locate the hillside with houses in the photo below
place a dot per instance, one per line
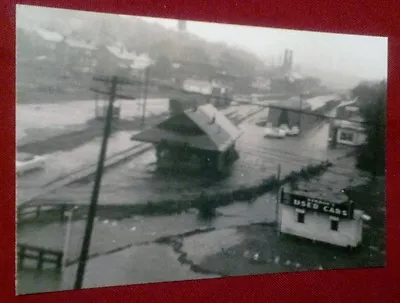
(58, 54)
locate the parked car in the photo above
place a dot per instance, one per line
(26, 162)
(294, 131)
(284, 128)
(274, 132)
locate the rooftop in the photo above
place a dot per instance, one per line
(80, 44)
(293, 103)
(320, 101)
(211, 130)
(49, 35)
(350, 124)
(121, 52)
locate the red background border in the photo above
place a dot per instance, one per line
(370, 17)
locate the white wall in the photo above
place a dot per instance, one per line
(317, 227)
(202, 87)
(358, 137)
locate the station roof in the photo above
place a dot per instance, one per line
(203, 128)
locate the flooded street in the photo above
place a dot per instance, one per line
(117, 245)
(136, 181)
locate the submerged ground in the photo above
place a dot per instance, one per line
(240, 240)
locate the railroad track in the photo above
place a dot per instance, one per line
(85, 172)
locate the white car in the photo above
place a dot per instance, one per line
(27, 162)
(294, 131)
(284, 128)
(273, 132)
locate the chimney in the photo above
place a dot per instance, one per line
(285, 59)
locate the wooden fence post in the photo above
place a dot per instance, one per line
(62, 213)
(59, 264)
(38, 210)
(40, 260)
(21, 256)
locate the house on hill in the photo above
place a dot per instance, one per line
(198, 139)
(114, 60)
(207, 79)
(78, 55)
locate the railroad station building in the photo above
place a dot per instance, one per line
(330, 218)
(197, 139)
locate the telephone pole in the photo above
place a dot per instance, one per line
(112, 93)
(146, 85)
(301, 113)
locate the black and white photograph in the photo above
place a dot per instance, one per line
(157, 150)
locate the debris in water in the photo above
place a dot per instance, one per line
(288, 262)
(298, 265)
(320, 267)
(114, 223)
(246, 254)
(277, 258)
(133, 228)
(153, 233)
(105, 221)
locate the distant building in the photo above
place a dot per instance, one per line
(348, 127)
(287, 112)
(45, 44)
(331, 219)
(206, 79)
(77, 55)
(261, 84)
(287, 61)
(198, 139)
(114, 60)
(182, 25)
(197, 85)
(141, 63)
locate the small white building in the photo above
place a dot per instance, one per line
(198, 86)
(349, 133)
(333, 222)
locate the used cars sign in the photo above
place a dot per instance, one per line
(344, 210)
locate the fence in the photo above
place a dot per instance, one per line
(40, 255)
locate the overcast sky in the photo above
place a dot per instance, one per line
(361, 56)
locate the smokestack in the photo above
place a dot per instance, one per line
(285, 59)
(290, 60)
(182, 25)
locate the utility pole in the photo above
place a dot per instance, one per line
(146, 84)
(301, 113)
(278, 178)
(99, 173)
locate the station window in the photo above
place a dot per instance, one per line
(334, 225)
(346, 136)
(300, 217)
